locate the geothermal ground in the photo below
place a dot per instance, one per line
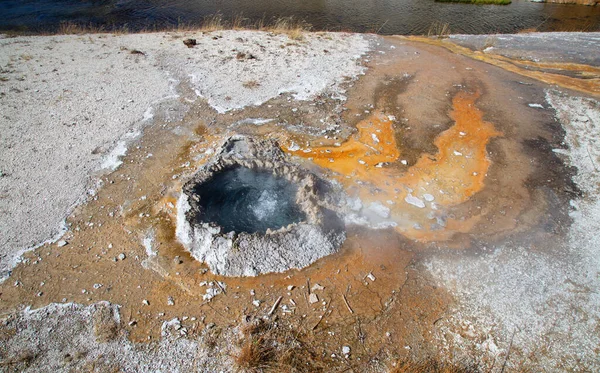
(462, 174)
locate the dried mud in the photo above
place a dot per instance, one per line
(455, 134)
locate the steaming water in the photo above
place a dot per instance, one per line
(244, 200)
(383, 16)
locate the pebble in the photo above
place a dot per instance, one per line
(412, 200)
(428, 197)
(371, 277)
(346, 350)
(316, 287)
(145, 301)
(122, 256)
(62, 243)
(312, 298)
(170, 301)
(256, 303)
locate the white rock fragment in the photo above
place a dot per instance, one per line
(412, 200)
(404, 162)
(61, 243)
(312, 298)
(145, 301)
(316, 287)
(457, 153)
(122, 256)
(375, 139)
(371, 277)
(537, 106)
(256, 303)
(346, 350)
(290, 287)
(293, 147)
(428, 197)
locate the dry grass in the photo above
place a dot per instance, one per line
(269, 347)
(293, 28)
(72, 28)
(290, 26)
(213, 23)
(251, 84)
(480, 2)
(431, 366)
(527, 30)
(439, 29)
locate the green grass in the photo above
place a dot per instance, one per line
(482, 2)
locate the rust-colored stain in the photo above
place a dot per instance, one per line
(417, 198)
(588, 79)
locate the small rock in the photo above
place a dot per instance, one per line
(145, 301)
(371, 277)
(346, 350)
(312, 298)
(62, 243)
(412, 200)
(170, 301)
(256, 303)
(428, 197)
(316, 287)
(290, 287)
(122, 256)
(190, 43)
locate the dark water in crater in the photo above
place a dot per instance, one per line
(244, 200)
(384, 16)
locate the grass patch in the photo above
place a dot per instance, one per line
(290, 26)
(269, 347)
(251, 84)
(480, 2)
(439, 29)
(431, 366)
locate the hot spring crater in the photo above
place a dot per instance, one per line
(251, 211)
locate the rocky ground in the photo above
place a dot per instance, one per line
(465, 170)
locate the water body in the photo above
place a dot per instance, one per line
(383, 16)
(245, 200)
